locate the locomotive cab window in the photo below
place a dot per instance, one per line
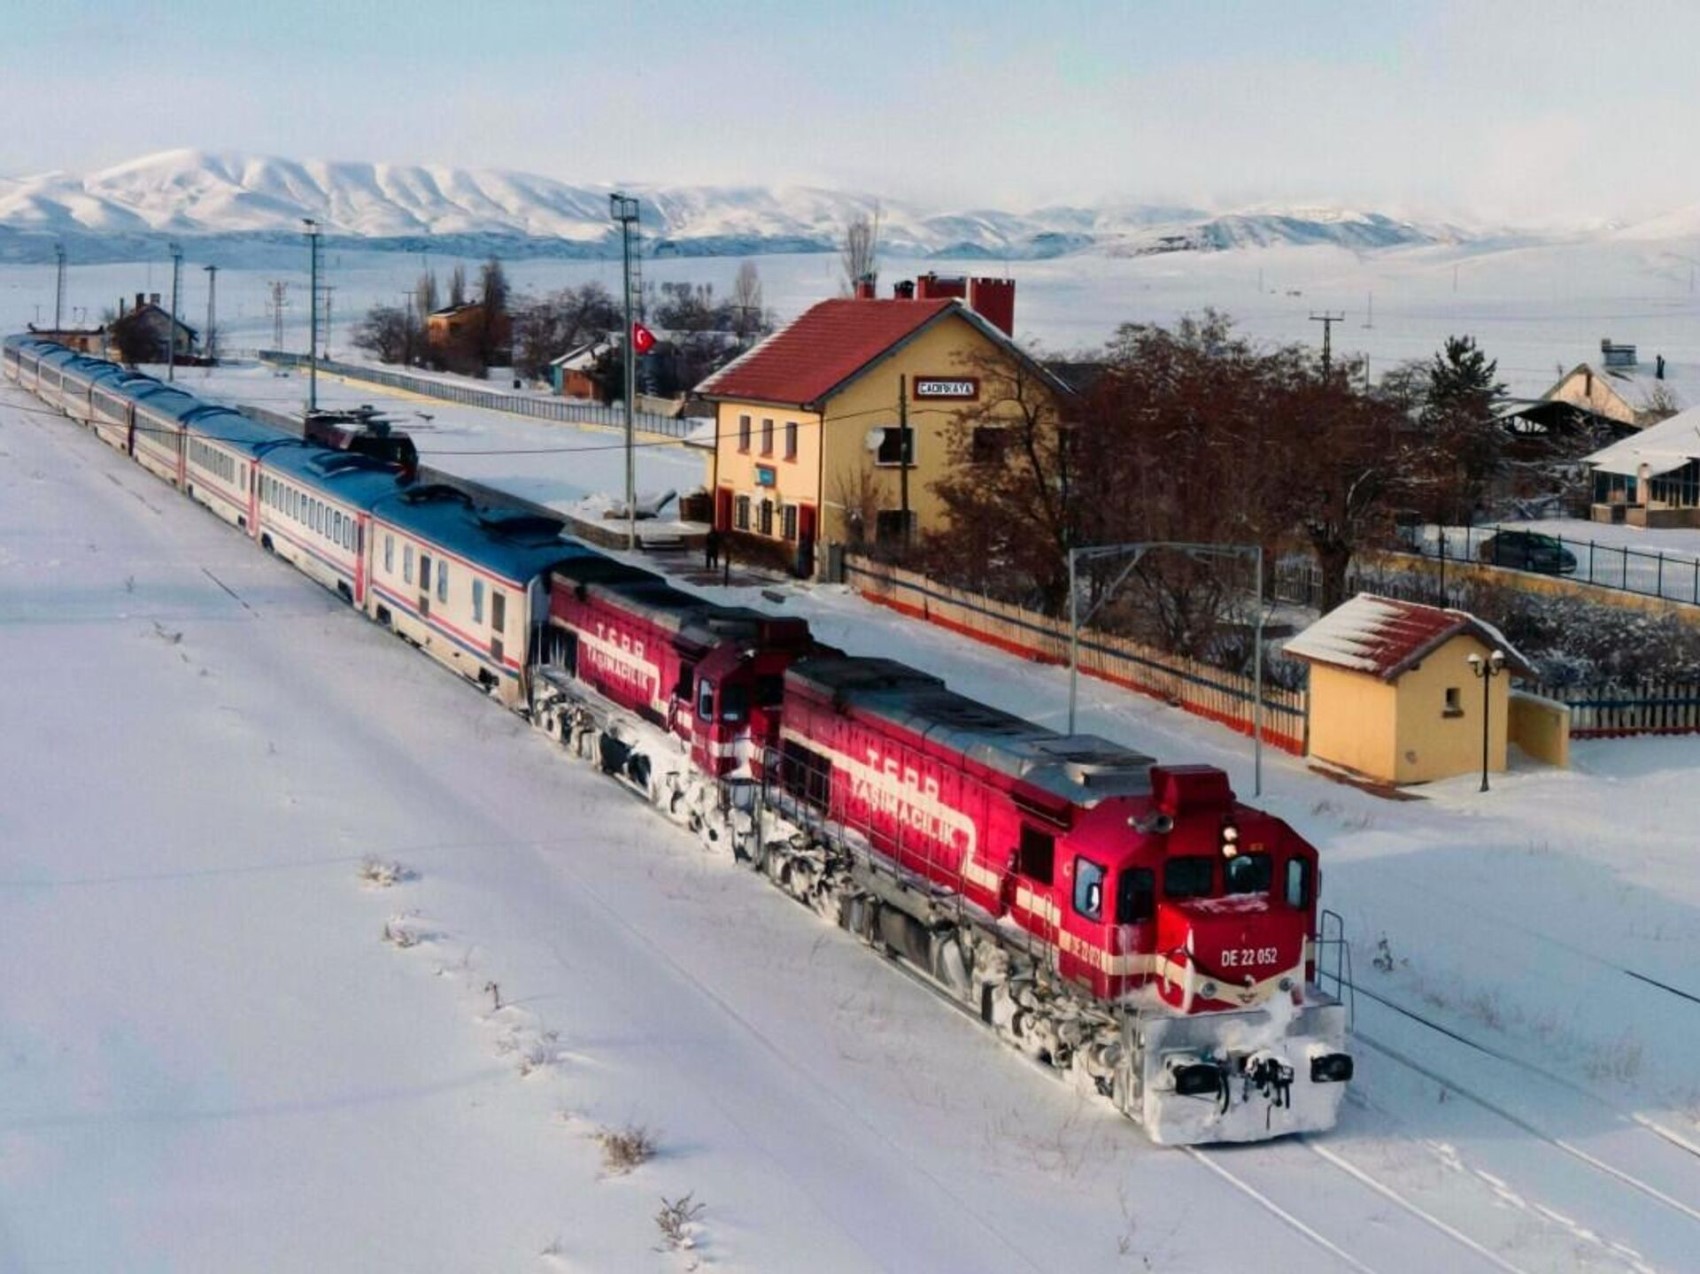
(1136, 895)
(1088, 889)
(1298, 883)
(734, 702)
(770, 691)
(705, 700)
(1037, 856)
(1192, 876)
(1248, 874)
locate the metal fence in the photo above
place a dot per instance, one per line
(1664, 573)
(556, 409)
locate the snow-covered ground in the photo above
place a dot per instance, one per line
(215, 1060)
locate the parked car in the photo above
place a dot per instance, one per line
(1527, 551)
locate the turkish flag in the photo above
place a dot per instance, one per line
(643, 340)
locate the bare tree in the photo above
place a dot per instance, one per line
(1660, 402)
(457, 286)
(748, 315)
(860, 254)
(387, 332)
(426, 294)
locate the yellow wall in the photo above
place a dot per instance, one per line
(1541, 727)
(868, 402)
(1352, 720)
(1435, 745)
(795, 481)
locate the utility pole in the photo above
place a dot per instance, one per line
(212, 312)
(625, 211)
(903, 455)
(1328, 320)
(1369, 315)
(280, 292)
(171, 328)
(59, 285)
(313, 313)
(328, 325)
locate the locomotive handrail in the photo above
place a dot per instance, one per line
(1345, 982)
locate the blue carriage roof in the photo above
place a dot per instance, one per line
(222, 424)
(1083, 769)
(340, 475)
(507, 542)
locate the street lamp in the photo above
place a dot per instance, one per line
(1486, 669)
(625, 210)
(1196, 551)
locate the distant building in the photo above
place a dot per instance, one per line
(572, 372)
(455, 334)
(85, 340)
(1616, 355)
(156, 326)
(1583, 397)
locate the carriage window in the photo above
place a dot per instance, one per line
(407, 562)
(478, 601)
(1036, 859)
(1298, 883)
(442, 581)
(734, 703)
(1088, 889)
(424, 572)
(498, 609)
(389, 555)
(1136, 891)
(1190, 877)
(705, 700)
(1249, 874)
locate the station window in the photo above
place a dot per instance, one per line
(743, 433)
(1037, 856)
(1192, 876)
(788, 521)
(897, 446)
(790, 439)
(741, 513)
(1136, 896)
(1088, 889)
(766, 525)
(767, 435)
(1248, 874)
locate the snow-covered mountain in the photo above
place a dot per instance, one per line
(185, 193)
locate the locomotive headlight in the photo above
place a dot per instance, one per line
(1286, 984)
(1230, 840)
(1208, 990)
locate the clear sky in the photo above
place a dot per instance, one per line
(1537, 112)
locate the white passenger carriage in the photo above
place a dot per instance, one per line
(157, 440)
(469, 586)
(112, 408)
(221, 463)
(314, 511)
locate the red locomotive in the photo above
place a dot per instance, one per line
(1128, 923)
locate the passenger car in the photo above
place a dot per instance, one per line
(1527, 551)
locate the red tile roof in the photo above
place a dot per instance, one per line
(1384, 637)
(826, 346)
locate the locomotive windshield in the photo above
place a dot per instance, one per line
(1192, 876)
(1249, 874)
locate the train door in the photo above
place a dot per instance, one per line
(424, 585)
(1033, 882)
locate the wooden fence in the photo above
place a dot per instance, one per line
(1609, 712)
(1184, 683)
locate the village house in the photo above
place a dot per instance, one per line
(154, 322)
(834, 429)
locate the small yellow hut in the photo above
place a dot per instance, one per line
(1398, 690)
